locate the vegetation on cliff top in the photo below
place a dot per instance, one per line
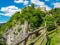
(35, 17)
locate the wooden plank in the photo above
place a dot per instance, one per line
(37, 38)
(30, 33)
(42, 41)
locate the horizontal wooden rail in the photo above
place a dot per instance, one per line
(30, 33)
(37, 39)
(42, 40)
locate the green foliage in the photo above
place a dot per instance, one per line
(55, 11)
(35, 18)
(32, 5)
(11, 23)
(51, 27)
(1, 24)
(56, 14)
(48, 18)
(2, 43)
(30, 14)
(49, 21)
(19, 29)
(57, 18)
(15, 33)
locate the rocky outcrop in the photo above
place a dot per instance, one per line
(16, 34)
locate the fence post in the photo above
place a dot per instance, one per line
(46, 32)
(56, 26)
(25, 31)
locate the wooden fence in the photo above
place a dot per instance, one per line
(37, 38)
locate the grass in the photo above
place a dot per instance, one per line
(38, 41)
(54, 38)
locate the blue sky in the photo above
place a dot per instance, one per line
(9, 7)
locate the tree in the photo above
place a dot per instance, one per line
(33, 16)
(56, 14)
(49, 20)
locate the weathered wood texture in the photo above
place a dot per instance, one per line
(30, 33)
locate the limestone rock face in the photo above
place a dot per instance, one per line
(13, 36)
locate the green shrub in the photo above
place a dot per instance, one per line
(51, 27)
(49, 21)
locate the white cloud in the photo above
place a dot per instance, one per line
(47, 8)
(41, 4)
(57, 5)
(25, 2)
(37, 2)
(18, 1)
(10, 10)
(34, 1)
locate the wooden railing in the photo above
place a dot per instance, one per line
(37, 38)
